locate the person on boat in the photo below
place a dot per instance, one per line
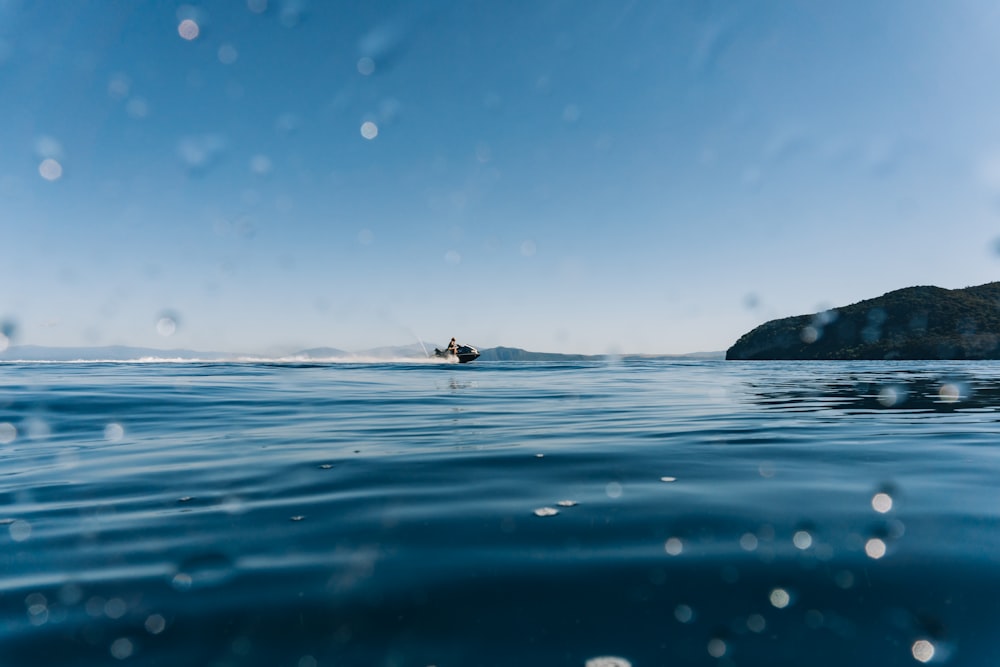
(453, 347)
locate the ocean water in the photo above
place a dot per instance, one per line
(629, 512)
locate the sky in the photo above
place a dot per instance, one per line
(265, 176)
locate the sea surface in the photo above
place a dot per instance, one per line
(624, 512)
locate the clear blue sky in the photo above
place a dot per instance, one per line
(592, 177)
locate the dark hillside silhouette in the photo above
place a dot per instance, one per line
(910, 323)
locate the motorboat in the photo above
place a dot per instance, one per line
(464, 354)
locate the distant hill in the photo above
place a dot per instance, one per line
(910, 323)
(127, 353)
(517, 354)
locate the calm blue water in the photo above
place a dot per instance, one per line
(643, 512)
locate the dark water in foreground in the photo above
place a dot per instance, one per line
(647, 512)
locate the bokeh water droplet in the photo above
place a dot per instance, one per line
(683, 613)
(166, 325)
(8, 433)
(922, 650)
(607, 661)
(780, 598)
(155, 624)
(882, 502)
(716, 647)
(122, 648)
(228, 54)
(875, 548)
(188, 29)
(20, 530)
(949, 393)
(673, 546)
(366, 66)
(369, 130)
(115, 608)
(260, 165)
(113, 432)
(50, 169)
(613, 490)
(137, 108)
(802, 540)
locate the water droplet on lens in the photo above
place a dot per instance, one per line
(188, 29)
(369, 130)
(155, 624)
(613, 490)
(50, 169)
(802, 540)
(166, 326)
(683, 613)
(756, 623)
(607, 661)
(673, 546)
(366, 66)
(115, 608)
(716, 648)
(888, 396)
(260, 165)
(923, 650)
(949, 393)
(780, 598)
(113, 432)
(749, 542)
(546, 511)
(37, 428)
(19, 530)
(875, 548)
(8, 433)
(882, 502)
(122, 648)
(228, 54)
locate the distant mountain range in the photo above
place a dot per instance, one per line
(910, 323)
(128, 353)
